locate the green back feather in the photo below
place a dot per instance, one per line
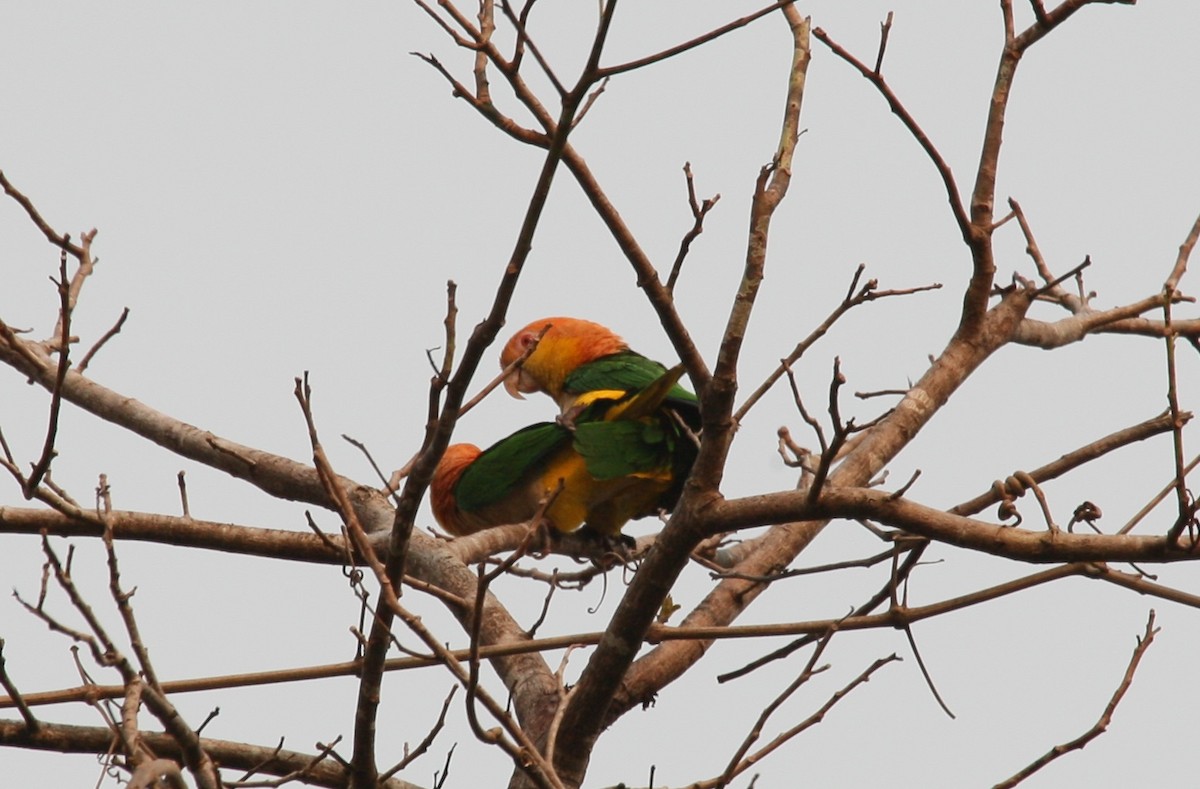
(627, 371)
(625, 447)
(495, 473)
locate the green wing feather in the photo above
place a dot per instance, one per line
(635, 435)
(495, 473)
(623, 448)
(627, 371)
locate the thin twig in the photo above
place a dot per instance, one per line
(64, 321)
(885, 28)
(1143, 643)
(699, 211)
(1186, 515)
(898, 108)
(810, 669)
(183, 497)
(108, 335)
(10, 687)
(693, 43)
(855, 296)
(423, 746)
(1156, 499)
(61, 241)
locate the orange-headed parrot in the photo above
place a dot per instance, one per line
(616, 462)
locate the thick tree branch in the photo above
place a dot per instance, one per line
(312, 769)
(997, 539)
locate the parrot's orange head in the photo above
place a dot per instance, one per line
(562, 345)
(441, 489)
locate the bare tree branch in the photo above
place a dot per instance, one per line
(67, 738)
(1101, 725)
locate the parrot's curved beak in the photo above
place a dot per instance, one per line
(512, 384)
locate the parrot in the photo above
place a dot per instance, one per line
(614, 463)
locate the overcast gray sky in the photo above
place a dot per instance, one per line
(282, 187)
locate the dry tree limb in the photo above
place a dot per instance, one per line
(67, 738)
(487, 26)
(976, 224)
(738, 762)
(1186, 517)
(325, 751)
(152, 773)
(318, 548)
(564, 695)
(61, 241)
(1072, 303)
(485, 579)
(841, 431)
(501, 121)
(966, 351)
(1073, 460)
(1143, 643)
(808, 418)
(866, 561)
(504, 372)
(996, 539)
(1142, 585)
(854, 297)
(86, 265)
(130, 706)
(1156, 499)
(1124, 319)
(659, 634)
(699, 211)
(1181, 261)
(898, 108)
(883, 595)
(912, 643)
(104, 338)
(473, 39)
(121, 598)
(592, 97)
(423, 746)
(42, 465)
(885, 31)
(183, 496)
(10, 687)
(275, 475)
(711, 35)
(812, 720)
(520, 23)
(1187, 508)
(175, 530)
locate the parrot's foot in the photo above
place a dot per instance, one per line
(613, 549)
(603, 550)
